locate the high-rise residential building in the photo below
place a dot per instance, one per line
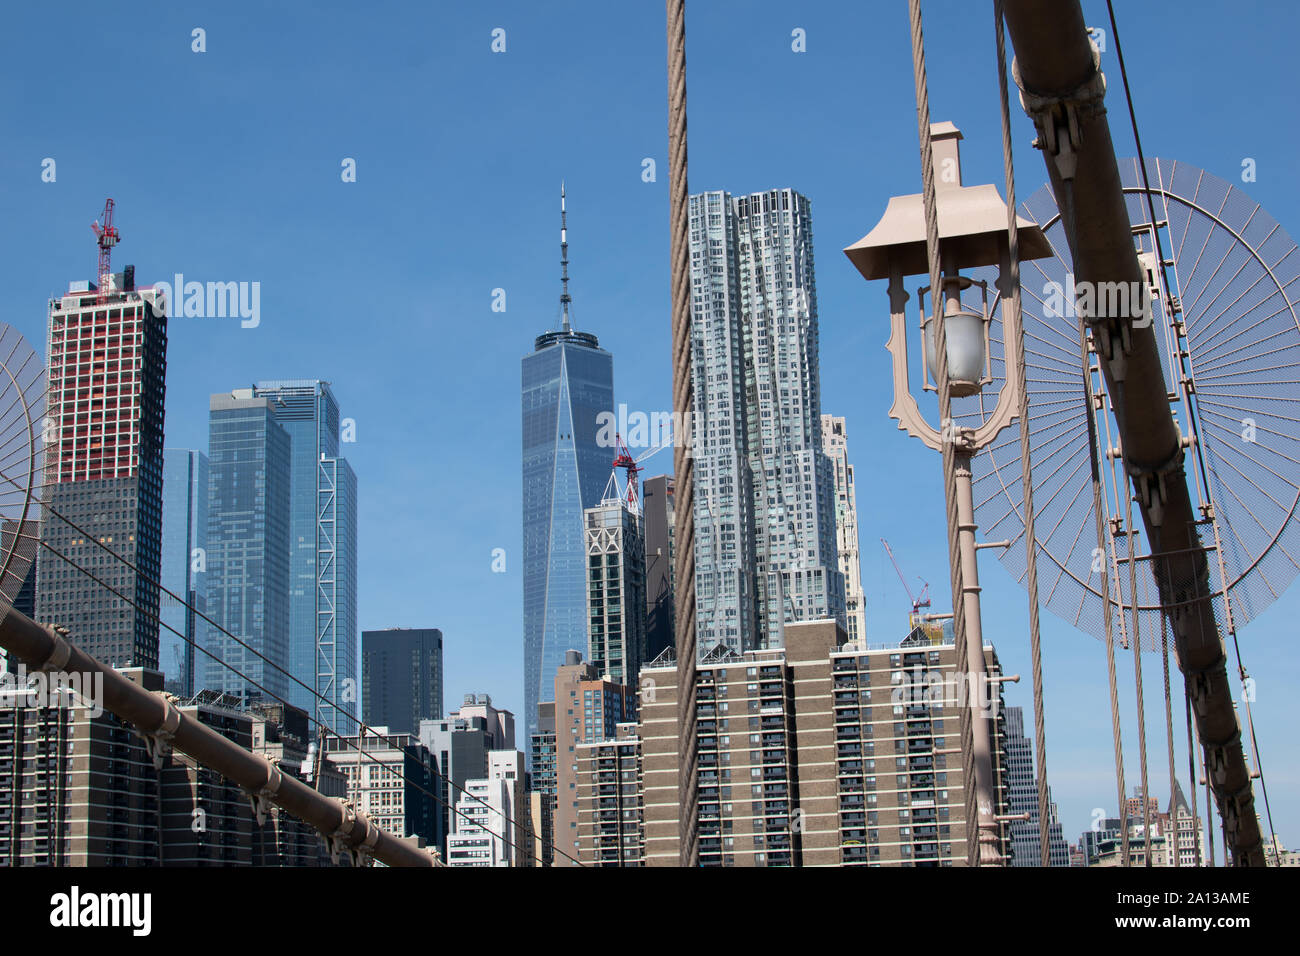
(491, 826)
(588, 707)
(765, 546)
(104, 467)
(611, 823)
(1022, 791)
(248, 546)
(98, 799)
(616, 601)
(284, 735)
(657, 500)
(835, 443)
(820, 753)
(184, 567)
(206, 818)
(401, 677)
(322, 551)
(566, 383)
(87, 792)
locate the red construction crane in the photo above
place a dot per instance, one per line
(107, 237)
(623, 459)
(918, 600)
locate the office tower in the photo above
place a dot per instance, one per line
(491, 826)
(248, 546)
(765, 546)
(497, 724)
(657, 505)
(184, 566)
(588, 707)
(390, 778)
(1022, 792)
(401, 677)
(459, 746)
(104, 467)
(322, 551)
(542, 783)
(835, 443)
(566, 382)
(616, 601)
(820, 753)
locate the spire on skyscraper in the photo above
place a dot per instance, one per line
(564, 261)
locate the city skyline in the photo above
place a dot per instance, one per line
(408, 458)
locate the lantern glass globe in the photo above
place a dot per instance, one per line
(966, 351)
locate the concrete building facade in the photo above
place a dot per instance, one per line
(823, 753)
(835, 443)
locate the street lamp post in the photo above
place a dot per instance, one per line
(972, 233)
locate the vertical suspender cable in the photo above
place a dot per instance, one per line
(683, 401)
(1026, 473)
(945, 415)
(1169, 737)
(1137, 665)
(1105, 581)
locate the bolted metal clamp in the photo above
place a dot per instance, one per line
(59, 653)
(158, 744)
(337, 842)
(261, 799)
(1055, 115)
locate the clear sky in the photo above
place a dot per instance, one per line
(226, 166)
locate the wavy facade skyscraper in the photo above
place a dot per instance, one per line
(765, 547)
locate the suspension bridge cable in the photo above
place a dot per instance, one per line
(90, 538)
(1026, 472)
(683, 460)
(947, 425)
(271, 694)
(1192, 411)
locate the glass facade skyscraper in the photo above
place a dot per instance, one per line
(184, 566)
(322, 550)
(567, 381)
(765, 547)
(401, 677)
(248, 544)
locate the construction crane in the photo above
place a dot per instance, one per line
(918, 600)
(107, 237)
(623, 459)
(632, 466)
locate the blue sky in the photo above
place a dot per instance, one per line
(226, 166)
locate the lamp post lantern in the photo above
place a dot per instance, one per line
(972, 234)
